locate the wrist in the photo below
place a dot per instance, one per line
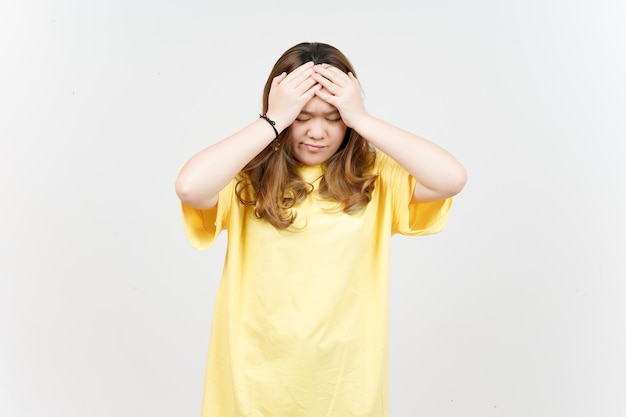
(360, 122)
(279, 123)
(271, 123)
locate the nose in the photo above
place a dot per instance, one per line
(316, 129)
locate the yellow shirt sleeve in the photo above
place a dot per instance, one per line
(202, 226)
(410, 219)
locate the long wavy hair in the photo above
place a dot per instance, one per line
(270, 182)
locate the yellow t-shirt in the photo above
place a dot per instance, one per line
(300, 327)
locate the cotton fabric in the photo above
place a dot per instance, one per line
(300, 326)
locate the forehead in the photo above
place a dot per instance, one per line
(318, 106)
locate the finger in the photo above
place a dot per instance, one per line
(353, 79)
(301, 67)
(279, 78)
(331, 73)
(308, 95)
(325, 95)
(306, 85)
(301, 72)
(325, 82)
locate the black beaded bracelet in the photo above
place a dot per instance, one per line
(271, 122)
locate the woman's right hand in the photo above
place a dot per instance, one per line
(289, 93)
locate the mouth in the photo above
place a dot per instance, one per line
(312, 148)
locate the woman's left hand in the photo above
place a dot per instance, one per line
(342, 91)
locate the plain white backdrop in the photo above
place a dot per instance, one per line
(516, 309)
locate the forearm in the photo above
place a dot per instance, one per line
(438, 173)
(210, 170)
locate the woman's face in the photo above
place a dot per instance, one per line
(317, 132)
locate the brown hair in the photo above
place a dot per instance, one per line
(270, 181)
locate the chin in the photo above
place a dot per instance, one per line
(308, 160)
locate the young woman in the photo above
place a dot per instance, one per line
(310, 194)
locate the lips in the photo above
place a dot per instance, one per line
(312, 148)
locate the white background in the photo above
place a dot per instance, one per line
(516, 309)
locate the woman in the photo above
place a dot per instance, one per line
(310, 194)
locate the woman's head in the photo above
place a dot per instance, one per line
(318, 132)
